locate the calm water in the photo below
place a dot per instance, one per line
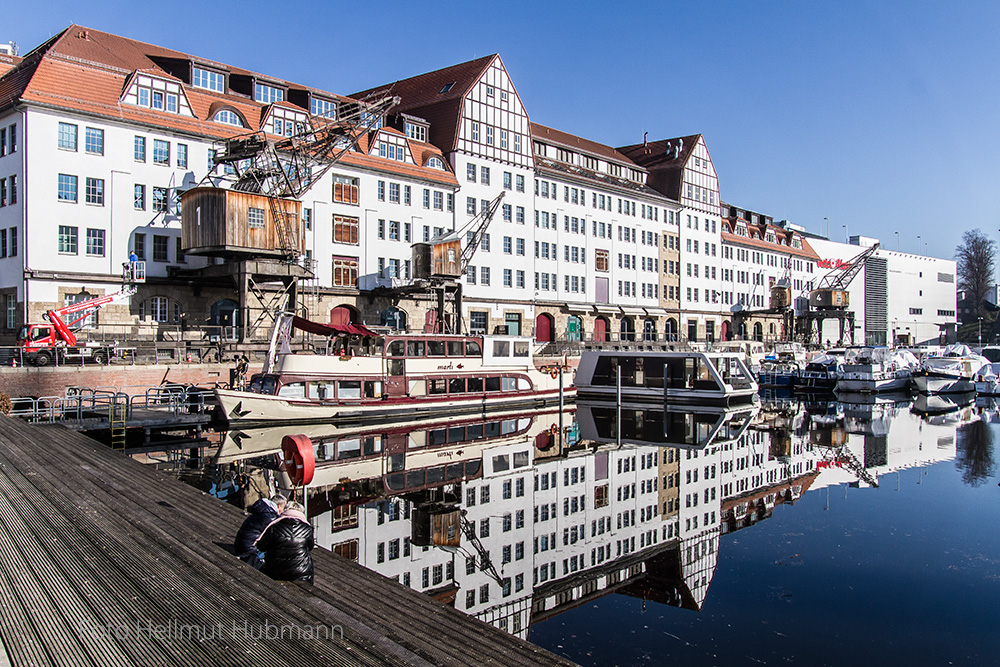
(685, 536)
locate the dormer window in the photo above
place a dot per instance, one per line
(770, 237)
(204, 78)
(416, 131)
(321, 107)
(615, 169)
(155, 93)
(796, 242)
(267, 94)
(228, 117)
(566, 156)
(435, 163)
(447, 87)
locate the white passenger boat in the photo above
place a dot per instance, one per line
(952, 372)
(875, 369)
(692, 377)
(363, 377)
(988, 380)
(686, 427)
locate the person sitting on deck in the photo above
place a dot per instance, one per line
(286, 544)
(262, 514)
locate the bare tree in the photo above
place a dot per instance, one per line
(976, 257)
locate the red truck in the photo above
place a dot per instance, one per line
(42, 344)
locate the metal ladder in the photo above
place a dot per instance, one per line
(117, 415)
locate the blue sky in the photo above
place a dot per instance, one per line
(876, 115)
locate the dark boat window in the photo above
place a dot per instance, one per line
(437, 387)
(373, 388)
(520, 459)
(414, 348)
(395, 481)
(454, 470)
(435, 475)
(521, 348)
(456, 386)
(263, 384)
(456, 434)
(491, 429)
(349, 449)
(472, 468)
(492, 384)
(397, 348)
(456, 348)
(349, 389)
(475, 385)
(474, 432)
(473, 349)
(438, 436)
(373, 445)
(414, 478)
(435, 348)
(397, 462)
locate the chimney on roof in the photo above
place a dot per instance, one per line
(680, 147)
(83, 34)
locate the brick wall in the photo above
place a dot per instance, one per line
(133, 380)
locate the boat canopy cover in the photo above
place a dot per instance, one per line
(989, 371)
(958, 350)
(330, 329)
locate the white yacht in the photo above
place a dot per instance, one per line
(952, 372)
(876, 369)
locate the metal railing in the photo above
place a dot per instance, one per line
(81, 404)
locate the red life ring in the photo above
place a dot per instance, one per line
(298, 458)
(554, 373)
(553, 429)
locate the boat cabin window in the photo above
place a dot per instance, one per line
(437, 387)
(521, 348)
(293, 390)
(456, 386)
(509, 384)
(492, 384)
(349, 389)
(322, 390)
(473, 349)
(435, 348)
(397, 348)
(373, 388)
(474, 385)
(263, 384)
(520, 459)
(414, 348)
(501, 462)
(501, 348)
(349, 449)
(456, 348)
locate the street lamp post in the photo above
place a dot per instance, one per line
(847, 234)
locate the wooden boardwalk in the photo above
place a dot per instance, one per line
(104, 562)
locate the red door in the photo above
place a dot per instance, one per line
(340, 315)
(543, 328)
(600, 330)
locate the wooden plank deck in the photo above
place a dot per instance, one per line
(104, 561)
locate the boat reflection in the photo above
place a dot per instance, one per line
(516, 518)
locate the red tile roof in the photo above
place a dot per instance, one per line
(86, 71)
(422, 96)
(664, 162)
(782, 235)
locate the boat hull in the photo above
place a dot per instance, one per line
(250, 410)
(940, 383)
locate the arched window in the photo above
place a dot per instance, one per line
(671, 330)
(228, 117)
(435, 163)
(574, 328)
(394, 317)
(627, 329)
(758, 332)
(544, 326)
(649, 329)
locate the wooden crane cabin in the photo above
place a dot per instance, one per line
(438, 259)
(222, 222)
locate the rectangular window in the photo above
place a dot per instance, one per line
(13, 191)
(160, 248)
(94, 141)
(139, 151)
(345, 230)
(179, 250)
(159, 199)
(13, 241)
(161, 152)
(94, 191)
(267, 94)
(345, 271)
(519, 180)
(470, 172)
(67, 239)
(256, 218)
(95, 242)
(520, 279)
(345, 189)
(508, 278)
(484, 175)
(67, 188)
(203, 78)
(182, 156)
(437, 201)
(394, 193)
(67, 138)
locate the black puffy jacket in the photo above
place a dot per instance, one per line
(286, 545)
(261, 514)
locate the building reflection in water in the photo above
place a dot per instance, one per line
(516, 518)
